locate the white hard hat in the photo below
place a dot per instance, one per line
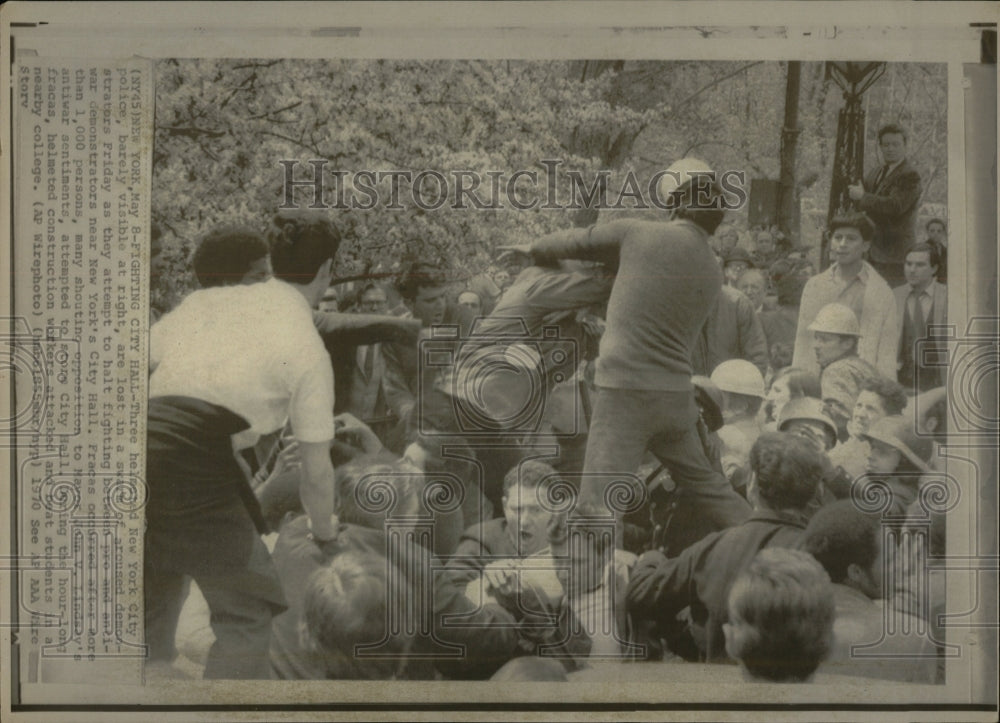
(836, 319)
(679, 173)
(738, 376)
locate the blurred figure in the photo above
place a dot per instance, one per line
(735, 264)
(780, 617)
(789, 277)
(725, 239)
(753, 283)
(937, 236)
(471, 301)
(329, 301)
(732, 331)
(788, 384)
(742, 389)
(849, 544)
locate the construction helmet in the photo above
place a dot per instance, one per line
(811, 409)
(739, 376)
(680, 174)
(897, 432)
(836, 319)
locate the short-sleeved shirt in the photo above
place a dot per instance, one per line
(251, 349)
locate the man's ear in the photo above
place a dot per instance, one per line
(856, 575)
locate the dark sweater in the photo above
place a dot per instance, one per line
(667, 281)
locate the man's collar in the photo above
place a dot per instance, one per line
(861, 276)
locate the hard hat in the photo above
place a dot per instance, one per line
(738, 254)
(739, 376)
(708, 396)
(807, 408)
(836, 319)
(897, 432)
(680, 173)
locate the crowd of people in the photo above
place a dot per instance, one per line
(639, 441)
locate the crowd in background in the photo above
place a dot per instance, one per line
(771, 423)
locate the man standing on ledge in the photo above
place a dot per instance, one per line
(230, 364)
(889, 195)
(667, 282)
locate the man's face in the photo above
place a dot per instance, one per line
(847, 247)
(753, 285)
(765, 242)
(831, 347)
(868, 409)
(728, 239)
(429, 305)
(777, 396)
(260, 270)
(373, 301)
(502, 279)
(936, 232)
(882, 459)
(735, 270)
(526, 519)
(470, 300)
(893, 147)
(918, 270)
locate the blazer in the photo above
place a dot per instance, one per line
(892, 206)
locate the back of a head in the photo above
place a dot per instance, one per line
(368, 489)
(301, 241)
(801, 382)
(691, 190)
(840, 534)
(781, 614)
(225, 255)
(787, 470)
(891, 392)
(529, 474)
(346, 606)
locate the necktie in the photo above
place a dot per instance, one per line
(882, 175)
(917, 312)
(369, 361)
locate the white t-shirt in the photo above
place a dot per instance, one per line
(251, 349)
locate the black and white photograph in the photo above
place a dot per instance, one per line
(492, 364)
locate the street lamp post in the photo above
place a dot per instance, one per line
(849, 156)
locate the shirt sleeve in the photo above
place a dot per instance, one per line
(311, 407)
(597, 243)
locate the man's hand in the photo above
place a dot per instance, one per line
(347, 425)
(513, 250)
(856, 191)
(501, 579)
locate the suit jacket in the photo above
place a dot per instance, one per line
(892, 206)
(366, 400)
(732, 331)
(939, 311)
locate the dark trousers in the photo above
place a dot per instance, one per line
(625, 424)
(199, 525)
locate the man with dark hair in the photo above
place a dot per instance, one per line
(852, 282)
(937, 236)
(230, 364)
(877, 397)
(921, 302)
(780, 617)
(424, 290)
(848, 543)
(890, 195)
(786, 472)
(231, 255)
(667, 282)
(735, 264)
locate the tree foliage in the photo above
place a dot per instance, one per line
(222, 126)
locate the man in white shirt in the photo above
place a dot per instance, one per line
(230, 364)
(852, 282)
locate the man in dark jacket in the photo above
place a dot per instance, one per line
(890, 195)
(786, 473)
